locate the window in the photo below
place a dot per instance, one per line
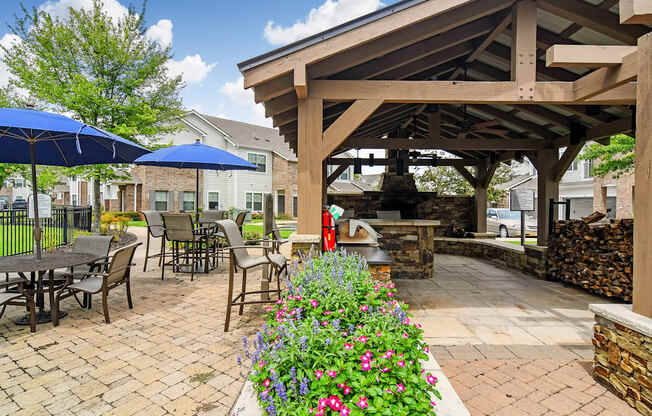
(254, 201)
(588, 168)
(161, 201)
(213, 201)
(258, 160)
(17, 183)
(295, 206)
(344, 176)
(573, 166)
(74, 200)
(280, 202)
(188, 201)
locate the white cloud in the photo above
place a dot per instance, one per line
(239, 104)
(193, 69)
(60, 8)
(8, 40)
(161, 33)
(329, 14)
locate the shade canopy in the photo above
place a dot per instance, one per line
(195, 156)
(59, 140)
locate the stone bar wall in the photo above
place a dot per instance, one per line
(411, 248)
(414, 205)
(623, 359)
(528, 259)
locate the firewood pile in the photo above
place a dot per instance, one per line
(596, 257)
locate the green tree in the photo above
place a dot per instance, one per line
(445, 180)
(47, 177)
(616, 158)
(8, 170)
(104, 72)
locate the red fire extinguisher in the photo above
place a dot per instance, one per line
(328, 231)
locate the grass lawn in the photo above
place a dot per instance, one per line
(255, 228)
(137, 224)
(15, 240)
(528, 241)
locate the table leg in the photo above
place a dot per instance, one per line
(51, 293)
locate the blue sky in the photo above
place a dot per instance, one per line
(209, 38)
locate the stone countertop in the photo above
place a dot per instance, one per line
(403, 223)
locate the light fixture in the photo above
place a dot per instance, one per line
(372, 161)
(357, 164)
(400, 166)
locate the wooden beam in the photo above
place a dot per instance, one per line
(280, 104)
(423, 26)
(300, 82)
(310, 177)
(274, 88)
(338, 161)
(417, 51)
(593, 18)
(524, 49)
(397, 24)
(569, 156)
(564, 93)
(643, 179)
(587, 56)
(336, 174)
(605, 79)
(533, 128)
(635, 12)
(346, 124)
(489, 144)
(467, 175)
(597, 133)
(434, 125)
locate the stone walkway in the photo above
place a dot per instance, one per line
(167, 356)
(510, 345)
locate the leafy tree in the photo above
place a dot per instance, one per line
(47, 177)
(616, 158)
(102, 71)
(8, 170)
(445, 180)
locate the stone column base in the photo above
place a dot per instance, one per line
(304, 243)
(381, 272)
(623, 354)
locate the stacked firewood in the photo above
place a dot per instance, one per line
(596, 257)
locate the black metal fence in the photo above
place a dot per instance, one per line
(16, 229)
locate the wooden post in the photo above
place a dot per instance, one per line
(548, 189)
(642, 297)
(268, 224)
(481, 196)
(311, 113)
(524, 48)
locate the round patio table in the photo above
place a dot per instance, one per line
(37, 268)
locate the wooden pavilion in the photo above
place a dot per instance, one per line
(488, 81)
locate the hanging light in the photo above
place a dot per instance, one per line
(400, 166)
(372, 161)
(357, 164)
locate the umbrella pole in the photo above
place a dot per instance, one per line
(37, 223)
(197, 197)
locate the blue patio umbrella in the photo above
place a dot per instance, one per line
(42, 138)
(195, 156)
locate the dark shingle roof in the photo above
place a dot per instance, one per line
(255, 137)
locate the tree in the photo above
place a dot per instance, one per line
(616, 158)
(104, 72)
(8, 170)
(47, 178)
(446, 180)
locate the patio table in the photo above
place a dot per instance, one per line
(37, 268)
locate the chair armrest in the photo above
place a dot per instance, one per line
(252, 246)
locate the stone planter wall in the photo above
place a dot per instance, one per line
(531, 260)
(623, 355)
(411, 248)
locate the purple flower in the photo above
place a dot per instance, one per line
(303, 386)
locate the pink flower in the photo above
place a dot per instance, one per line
(405, 335)
(322, 403)
(298, 297)
(261, 364)
(331, 373)
(345, 411)
(390, 294)
(328, 312)
(385, 370)
(346, 390)
(431, 379)
(419, 326)
(340, 310)
(389, 353)
(433, 404)
(363, 339)
(389, 391)
(314, 303)
(426, 349)
(335, 403)
(368, 354)
(400, 388)
(362, 402)
(401, 363)
(364, 308)
(267, 382)
(348, 347)
(376, 288)
(365, 366)
(325, 323)
(319, 374)
(379, 333)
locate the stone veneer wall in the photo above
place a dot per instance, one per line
(411, 248)
(429, 206)
(531, 260)
(623, 361)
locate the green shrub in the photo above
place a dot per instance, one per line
(133, 216)
(339, 343)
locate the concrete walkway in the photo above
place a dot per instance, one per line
(510, 344)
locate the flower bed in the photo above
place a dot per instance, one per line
(338, 343)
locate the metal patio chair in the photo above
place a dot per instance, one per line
(118, 273)
(190, 245)
(239, 256)
(19, 295)
(276, 236)
(99, 245)
(240, 219)
(154, 230)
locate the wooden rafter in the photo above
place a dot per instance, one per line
(587, 56)
(569, 156)
(467, 175)
(412, 162)
(635, 12)
(346, 124)
(605, 79)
